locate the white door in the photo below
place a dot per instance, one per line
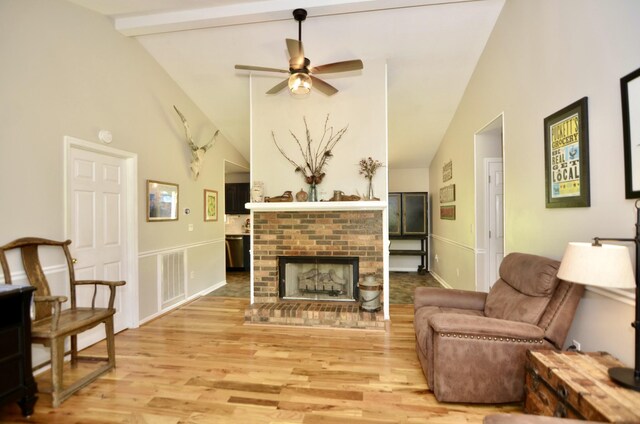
(97, 201)
(495, 216)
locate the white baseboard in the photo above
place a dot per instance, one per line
(440, 280)
(403, 269)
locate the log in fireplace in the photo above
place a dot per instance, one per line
(318, 278)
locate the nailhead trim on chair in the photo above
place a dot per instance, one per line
(497, 339)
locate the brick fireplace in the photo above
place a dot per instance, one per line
(326, 231)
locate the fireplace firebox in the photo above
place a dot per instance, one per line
(318, 278)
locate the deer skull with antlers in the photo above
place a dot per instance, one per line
(197, 153)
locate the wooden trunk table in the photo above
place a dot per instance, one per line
(576, 385)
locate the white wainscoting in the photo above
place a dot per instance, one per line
(203, 272)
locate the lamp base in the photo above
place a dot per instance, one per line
(625, 377)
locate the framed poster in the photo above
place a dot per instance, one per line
(210, 205)
(630, 90)
(566, 157)
(162, 201)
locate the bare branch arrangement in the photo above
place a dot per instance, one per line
(313, 159)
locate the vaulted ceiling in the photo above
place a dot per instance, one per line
(431, 48)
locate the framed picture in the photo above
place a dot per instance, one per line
(447, 171)
(448, 194)
(566, 157)
(162, 201)
(630, 89)
(448, 212)
(210, 205)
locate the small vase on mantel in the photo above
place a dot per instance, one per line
(370, 195)
(313, 193)
(302, 196)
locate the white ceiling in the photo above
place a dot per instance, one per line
(431, 48)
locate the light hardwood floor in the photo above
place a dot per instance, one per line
(201, 364)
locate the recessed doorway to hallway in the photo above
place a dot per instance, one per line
(489, 177)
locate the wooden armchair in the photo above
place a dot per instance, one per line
(53, 324)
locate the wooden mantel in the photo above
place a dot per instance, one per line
(363, 205)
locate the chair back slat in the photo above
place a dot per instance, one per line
(36, 277)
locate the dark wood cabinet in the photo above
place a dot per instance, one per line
(408, 220)
(408, 214)
(16, 383)
(235, 197)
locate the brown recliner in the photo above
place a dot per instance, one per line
(472, 345)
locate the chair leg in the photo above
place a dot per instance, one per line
(111, 345)
(57, 363)
(74, 350)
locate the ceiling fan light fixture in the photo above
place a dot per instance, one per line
(300, 83)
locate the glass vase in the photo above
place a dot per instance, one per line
(313, 193)
(370, 195)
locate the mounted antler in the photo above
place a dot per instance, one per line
(197, 153)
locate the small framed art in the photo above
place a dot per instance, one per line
(162, 201)
(210, 205)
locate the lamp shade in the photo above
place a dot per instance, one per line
(300, 83)
(605, 265)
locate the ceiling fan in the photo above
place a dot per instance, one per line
(301, 75)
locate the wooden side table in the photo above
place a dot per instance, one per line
(576, 385)
(16, 381)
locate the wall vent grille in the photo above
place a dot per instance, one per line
(172, 276)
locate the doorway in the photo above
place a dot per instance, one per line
(489, 203)
(237, 225)
(100, 219)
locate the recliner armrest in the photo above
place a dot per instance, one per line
(468, 325)
(449, 298)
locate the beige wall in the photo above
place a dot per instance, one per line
(66, 71)
(360, 104)
(542, 56)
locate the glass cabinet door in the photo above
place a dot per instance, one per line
(394, 214)
(414, 214)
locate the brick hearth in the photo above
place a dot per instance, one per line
(313, 233)
(315, 314)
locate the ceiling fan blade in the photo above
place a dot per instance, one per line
(322, 86)
(278, 87)
(347, 65)
(260, 68)
(296, 53)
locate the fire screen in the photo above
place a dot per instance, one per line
(318, 278)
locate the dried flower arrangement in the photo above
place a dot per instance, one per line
(368, 167)
(313, 160)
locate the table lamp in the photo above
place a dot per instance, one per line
(609, 266)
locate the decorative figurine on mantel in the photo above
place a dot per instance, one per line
(339, 196)
(314, 159)
(368, 168)
(284, 197)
